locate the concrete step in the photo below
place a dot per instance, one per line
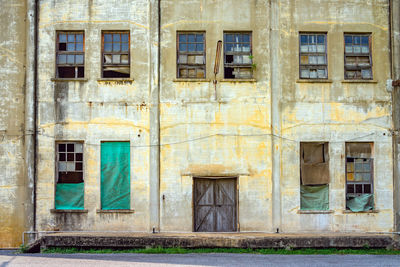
(122, 240)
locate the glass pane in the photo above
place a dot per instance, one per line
(304, 48)
(303, 39)
(116, 59)
(191, 47)
(366, 177)
(246, 47)
(107, 59)
(348, 39)
(237, 59)
(320, 48)
(313, 74)
(304, 74)
(70, 46)
(312, 60)
(116, 37)
(321, 39)
(358, 167)
(312, 39)
(125, 37)
(62, 38)
(349, 49)
(191, 38)
(365, 49)
(116, 47)
(199, 47)
(304, 60)
(79, 59)
(199, 38)
(246, 38)
(125, 47)
(246, 59)
(350, 167)
(182, 59)
(79, 47)
(237, 38)
(228, 47)
(182, 38)
(312, 48)
(357, 40)
(350, 176)
(70, 166)
(62, 166)
(229, 38)
(79, 148)
(192, 73)
(366, 74)
(321, 74)
(79, 38)
(321, 59)
(71, 37)
(107, 38)
(366, 167)
(183, 47)
(183, 73)
(200, 73)
(358, 177)
(108, 47)
(62, 59)
(70, 59)
(357, 49)
(237, 48)
(124, 59)
(191, 59)
(199, 60)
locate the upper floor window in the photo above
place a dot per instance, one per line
(357, 57)
(116, 55)
(70, 55)
(191, 54)
(313, 57)
(237, 56)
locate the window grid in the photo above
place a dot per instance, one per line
(191, 55)
(116, 55)
(70, 57)
(238, 61)
(358, 176)
(313, 56)
(69, 162)
(357, 57)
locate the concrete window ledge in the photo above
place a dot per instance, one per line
(115, 80)
(359, 81)
(69, 79)
(315, 211)
(357, 212)
(115, 211)
(68, 211)
(313, 81)
(178, 80)
(238, 80)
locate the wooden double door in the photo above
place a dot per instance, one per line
(215, 205)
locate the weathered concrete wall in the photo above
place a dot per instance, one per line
(94, 110)
(335, 111)
(12, 77)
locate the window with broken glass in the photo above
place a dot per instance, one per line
(313, 57)
(116, 55)
(357, 57)
(359, 176)
(237, 56)
(70, 162)
(191, 55)
(70, 55)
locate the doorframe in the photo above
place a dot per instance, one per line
(236, 200)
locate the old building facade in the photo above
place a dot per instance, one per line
(143, 121)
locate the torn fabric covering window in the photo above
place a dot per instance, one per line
(314, 197)
(69, 196)
(115, 175)
(359, 176)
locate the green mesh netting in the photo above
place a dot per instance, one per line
(314, 197)
(115, 175)
(361, 203)
(69, 196)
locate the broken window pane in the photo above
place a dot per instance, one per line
(357, 57)
(116, 45)
(70, 52)
(237, 59)
(191, 55)
(312, 53)
(67, 162)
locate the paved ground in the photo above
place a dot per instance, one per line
(8, 258)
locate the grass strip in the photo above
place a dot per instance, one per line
(178, 250)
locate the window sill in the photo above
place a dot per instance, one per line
(191, 80)
(315, 211)
(313, 81)
(69, 79)
(239, 80)
(115, 211)
(367, 211)
(115, 79)
(359, 81)
(68, 211)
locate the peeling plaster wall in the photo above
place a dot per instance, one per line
(93, 110)
(12, 66)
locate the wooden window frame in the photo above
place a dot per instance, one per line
(314, 66)
(112, 53)
(357, 68)
(59, 52)
(361, 183)
(190, 66)
(75, 161)
(238, 53)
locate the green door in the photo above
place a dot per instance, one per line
(115, 175)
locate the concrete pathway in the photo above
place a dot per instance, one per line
(8, 258)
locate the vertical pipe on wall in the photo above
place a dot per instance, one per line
(275, 113)
(154, 79)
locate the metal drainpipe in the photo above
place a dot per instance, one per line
(35, 86)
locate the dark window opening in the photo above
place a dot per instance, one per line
(238, 60)
(116, 55)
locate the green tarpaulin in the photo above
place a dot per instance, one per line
(361, 203)
(314, 197)
(115, 175)
(69, 196)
